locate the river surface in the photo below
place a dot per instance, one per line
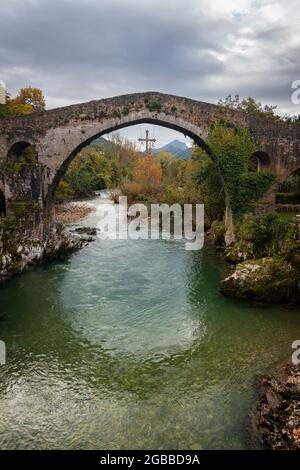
(129, 344)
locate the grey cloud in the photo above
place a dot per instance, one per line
(84, 49)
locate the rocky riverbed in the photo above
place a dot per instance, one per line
(275, 422)
(72, 211)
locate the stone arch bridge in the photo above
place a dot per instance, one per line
(58, 135)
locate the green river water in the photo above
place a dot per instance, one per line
(129, 344)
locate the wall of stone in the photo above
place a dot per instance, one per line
(59, 134)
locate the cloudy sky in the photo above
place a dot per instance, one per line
(79, 50)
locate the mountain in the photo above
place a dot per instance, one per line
(101, 142)
(176, 147)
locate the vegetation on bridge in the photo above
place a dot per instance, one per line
(233, 149)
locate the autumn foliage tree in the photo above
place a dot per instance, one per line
(27, 101)
(33, 97)
(148, 172)
(147, 180)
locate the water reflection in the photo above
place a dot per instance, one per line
(131, 345)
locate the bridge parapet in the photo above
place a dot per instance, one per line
(58, 135)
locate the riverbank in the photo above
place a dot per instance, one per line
(105, 322)
(74, 211)
(18, 252)
(265, 258)
(275, 422)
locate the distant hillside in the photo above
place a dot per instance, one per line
(176, 148)
(101, 142)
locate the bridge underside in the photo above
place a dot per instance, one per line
(58, 135)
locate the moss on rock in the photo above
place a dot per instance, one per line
(18, 252)
(239, 252)
(267, 279)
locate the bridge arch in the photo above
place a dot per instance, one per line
(59, 134)
(288, 184)
(181, 126)
(259, 161)
(16, 150)
(20, 150)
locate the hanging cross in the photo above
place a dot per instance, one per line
(147, 140)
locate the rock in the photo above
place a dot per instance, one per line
(20, 252)
(275, 421)
(86, 230)
(61, 242)
(267, 279)
(86, 234)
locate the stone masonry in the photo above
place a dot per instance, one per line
(58, 135)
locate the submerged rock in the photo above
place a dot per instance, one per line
(86, 233)
(267, 279)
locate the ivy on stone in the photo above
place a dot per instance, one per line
(233, 148)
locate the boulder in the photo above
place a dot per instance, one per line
(267, 279)
(86, 234)
(20, 252)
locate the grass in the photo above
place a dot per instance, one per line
(287, 216)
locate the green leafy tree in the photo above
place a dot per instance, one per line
(233, 149)
(250, 106)
(91, 170)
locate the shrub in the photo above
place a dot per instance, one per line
(22, 209)
(218, 231)
(233, 149)
(154, 106)
(133, 191)
(268, 234)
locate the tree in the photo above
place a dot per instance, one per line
(33, 97)
(293, 119)
(13, 108)
(148, 172)
(250, 106)
(27, 101)
(209, 184)
(164, 158)
(123, 153)
(91, 170)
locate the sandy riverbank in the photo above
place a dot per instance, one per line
(72, 211)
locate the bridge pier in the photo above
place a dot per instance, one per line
(56, 137)
(24, 194)
(267, 203)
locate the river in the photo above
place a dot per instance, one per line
(129, 344)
